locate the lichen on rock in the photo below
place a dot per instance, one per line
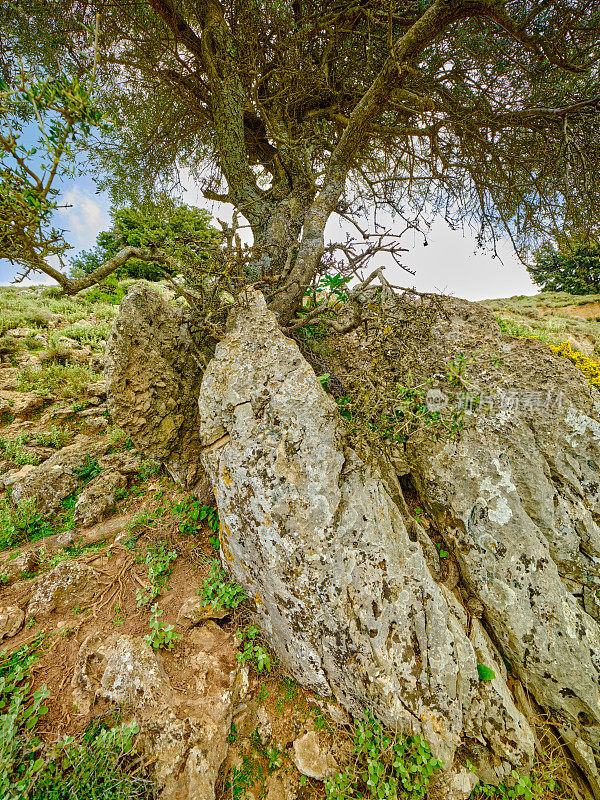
(312, 533)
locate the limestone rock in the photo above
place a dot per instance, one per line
(97, 389)
(8, 378)
(312, 533)
(11, 621)
(313, 758)
(153, 381)
(16, 475)
(50, 482)
(23, 404)
(66, 586)
(96, 424)
(185, 733)
(516, 495)
(14, 564)
(127, 463)
(98, 497)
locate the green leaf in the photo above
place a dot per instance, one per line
(485, 673)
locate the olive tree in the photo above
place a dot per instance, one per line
(295, 111)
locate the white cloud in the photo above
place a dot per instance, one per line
(84, 218)
(452, 263)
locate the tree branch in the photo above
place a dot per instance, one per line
(71, 286)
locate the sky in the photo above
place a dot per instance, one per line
(450, 263)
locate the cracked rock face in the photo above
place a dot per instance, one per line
(153, 379)
(312, 533)
(516, 498)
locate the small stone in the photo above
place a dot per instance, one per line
(14, 476)
(313, 758)
(16, 564)
(194, 611)
(50, 482)
(65, 539)
(11, 621)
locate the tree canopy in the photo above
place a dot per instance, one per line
(485, 111)
(572, 266)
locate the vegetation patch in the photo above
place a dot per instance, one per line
(63, 380)
(385, 765)
(219, 592)
(21, 522)
(158, 561)
(161, 635)
(95, 765)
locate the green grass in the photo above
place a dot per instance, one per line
(21, 308)
(15, 450)
(519, 317)
(64, 380)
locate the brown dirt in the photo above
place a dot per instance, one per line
(585, 311)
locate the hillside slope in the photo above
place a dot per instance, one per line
(121, 629)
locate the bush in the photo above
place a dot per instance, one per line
(14, 450)
(221, 593)
(590, 368)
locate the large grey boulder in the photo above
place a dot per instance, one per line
(515, 494)
(343, 593)
(153, 377)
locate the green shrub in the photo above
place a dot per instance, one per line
(524, 787)
(158, 561)
(90, 335)
(220, 592)
(56, 437)
(10, 346)
(253, 652)
(108, 291)
(20, 711)
(88, 470)
(21, 522)
(194, 514)
(14, 450)
(161, 635)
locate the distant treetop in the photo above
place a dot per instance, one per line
(184, 230)
(573, 266)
